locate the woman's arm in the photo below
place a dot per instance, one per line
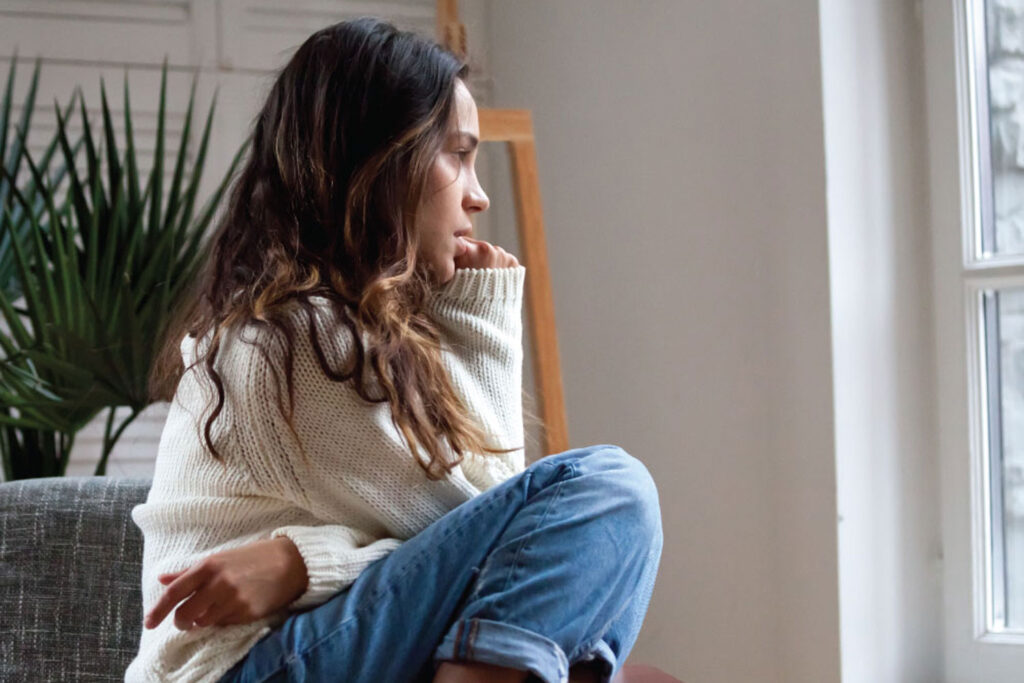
(297, 567)
(479, 312)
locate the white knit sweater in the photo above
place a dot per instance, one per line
(362, 494)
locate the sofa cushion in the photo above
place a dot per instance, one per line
(70, 568)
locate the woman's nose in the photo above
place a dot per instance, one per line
(477, 199)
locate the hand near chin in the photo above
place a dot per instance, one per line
(482, 254)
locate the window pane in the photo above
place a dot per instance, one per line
(1004, 359)
(1000, 99)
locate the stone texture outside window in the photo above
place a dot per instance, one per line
(1005, 39)
(1004, 24)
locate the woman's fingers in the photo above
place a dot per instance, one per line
(483, 254)
(215, 614)
(503, 259)
(167, 578)
(179, 589)
(232, 619)
(475, 256)
(193, 608)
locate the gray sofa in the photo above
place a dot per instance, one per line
(70, 570)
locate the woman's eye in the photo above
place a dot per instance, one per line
(463, 153)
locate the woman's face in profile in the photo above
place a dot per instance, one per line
(453, 192)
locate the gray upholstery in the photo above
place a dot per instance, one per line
(70, 571)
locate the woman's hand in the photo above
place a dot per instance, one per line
(236, 586)
(481, 254)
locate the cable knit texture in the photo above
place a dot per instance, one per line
(357, 495)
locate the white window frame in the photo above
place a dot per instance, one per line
(973, 653)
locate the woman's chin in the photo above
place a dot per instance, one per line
(441, 276)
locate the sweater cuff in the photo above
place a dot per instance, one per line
(491, 294)
(484, 284)
(333, 558)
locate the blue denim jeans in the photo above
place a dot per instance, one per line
(551, 567)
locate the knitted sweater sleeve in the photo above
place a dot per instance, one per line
(334, 555)
(346, 463)
(479, 312)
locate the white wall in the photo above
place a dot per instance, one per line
(680, 150)
(883, 348)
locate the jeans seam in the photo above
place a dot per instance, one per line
(373, 599)
(449, 534)
(547, 511)
(473, 623)
(472, 638)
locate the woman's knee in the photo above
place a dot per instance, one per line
(627, 477)
(614, 472)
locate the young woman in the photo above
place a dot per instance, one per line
(340, 490)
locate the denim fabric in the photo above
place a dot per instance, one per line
(551, 567)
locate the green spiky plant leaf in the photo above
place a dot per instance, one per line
(101, 271)
(28, 449)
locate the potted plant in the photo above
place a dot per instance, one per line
(101, 257)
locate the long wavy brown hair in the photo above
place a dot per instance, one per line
(324, 205)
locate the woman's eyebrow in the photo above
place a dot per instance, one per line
(473, 140)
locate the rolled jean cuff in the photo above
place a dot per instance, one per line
(494, 642)
(602, 651)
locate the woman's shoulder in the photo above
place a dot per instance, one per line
(299, 321)
(242, 341)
